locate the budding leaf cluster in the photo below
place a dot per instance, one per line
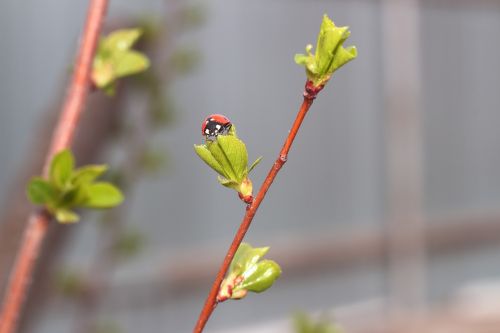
(330, 53)
(248, 272)
(227, 155)
(68, 188)
(115, 59)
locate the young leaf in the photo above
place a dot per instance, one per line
(64, 215)
(73, 197)
(103, 195)
(40, 191)
(245, 257)
(209, 159)
(128, 63)
(87, 174)
(236, 152)
(254, 164)
(260, 276)
(228, 183)
(115, 58)
(330, 53)
(61, 167)
(102, 72)
(221, 158)
(121, 40)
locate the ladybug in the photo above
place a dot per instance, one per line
(214, 125)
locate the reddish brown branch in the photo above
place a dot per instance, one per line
(211, 302)
(62, 138)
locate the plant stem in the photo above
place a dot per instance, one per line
(211, 302)
(36, 230)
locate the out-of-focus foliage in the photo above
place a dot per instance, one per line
(305, 324)
(115, 59)
(68, 188)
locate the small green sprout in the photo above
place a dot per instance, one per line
(248, 273)
(115, 59)
(67, 188)
(227, 155)
(330, 53)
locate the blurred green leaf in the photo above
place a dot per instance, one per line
(64, 215)
(115, 59)
(61, 167)
(121, 40)
(40, 191)
(128, 63)
(305, 324)
(87, 174)
(129, 244)
(103, 73)
(103, 195)
(70, 283)
(185, 60)
(153, 160)
(193, 15)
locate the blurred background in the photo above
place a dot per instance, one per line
(385, 219)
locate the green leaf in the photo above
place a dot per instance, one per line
(75, 196)
(103, 73)
(254, 164)
(260, 276)
(343, 56)
(40, 191)
(232, 154)
(61, 168)
(210, 160)
(64, 215)
(128, 63)
(329, 39)
(114, 59)
(245, 257)
(87, 174)
(103, 195)
(228, 183)
(121, 40)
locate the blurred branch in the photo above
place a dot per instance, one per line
(36, 231)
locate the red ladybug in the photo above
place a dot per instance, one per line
(214, 125)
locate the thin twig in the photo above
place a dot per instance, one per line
(211, 302)
(62, 138)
